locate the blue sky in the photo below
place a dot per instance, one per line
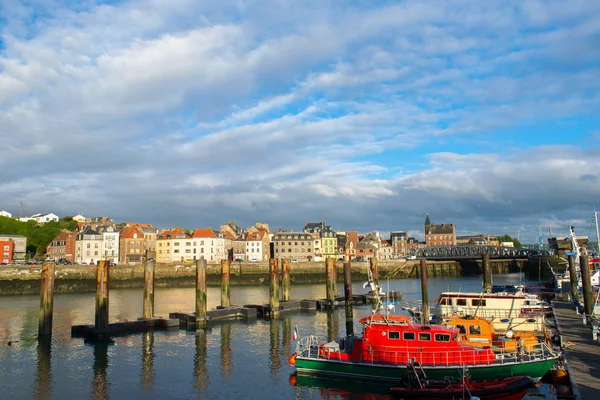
(369, 116)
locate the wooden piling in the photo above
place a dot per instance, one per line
(201, 306)
(102, 280)
(285, 280)
(586, 282)
(487, 273)
(348, 299)
(573, 277)
(330, 282)
(424, 295)
(148, 287)
(274, 286)
(375, 271)
(225, 274)
(46, 300)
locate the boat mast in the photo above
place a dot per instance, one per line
(597, 233)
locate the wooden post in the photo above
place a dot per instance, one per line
(375, 271)
(331, 275)
(46, 299)
(102, 279)
(225, 273)
(487, 273)
(285, 280)
(586, 282)
(348, 298)
(201, 306)
(149, 286)
(274, 286)
(573, 278)
(424, 295)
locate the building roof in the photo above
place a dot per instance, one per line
(204, 233)
(130, 232)
(427, 221)
(174, 234)
(256, 236)
(437, 229)
(314, 227)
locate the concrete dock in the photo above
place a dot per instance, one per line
(582, 353)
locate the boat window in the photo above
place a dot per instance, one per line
(394, 335)
(424, 336)
(442, 337)
(454, 337)
(408, 335)
(444, 301)
(462, 329)
(478, 302)
(461, 302)
(475, 330)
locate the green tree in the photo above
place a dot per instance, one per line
(38, 236)
(507, 238)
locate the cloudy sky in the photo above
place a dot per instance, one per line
(366, 114)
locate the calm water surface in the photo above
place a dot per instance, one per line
(228, 360)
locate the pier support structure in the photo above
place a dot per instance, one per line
(331, 278)
(149, 286)
(285, 279)
(586, 282)
(424, 295)
(274, 287)
(348, 299)
(46, 299)
(225, 275)
(573, 277)
(487, 273)
(201, 306)
(102, 280)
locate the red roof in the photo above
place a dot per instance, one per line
(129, 233)
(204, 233)
(256, 236)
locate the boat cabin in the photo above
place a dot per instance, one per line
(503, 305)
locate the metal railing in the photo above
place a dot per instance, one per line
(313, 348)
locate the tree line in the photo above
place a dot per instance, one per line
(38, 236)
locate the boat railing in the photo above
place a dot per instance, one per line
(313, 347)
(486, 312)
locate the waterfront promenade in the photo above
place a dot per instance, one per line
(581, 352)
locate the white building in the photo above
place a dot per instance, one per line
(88, 246)
(80, 218)
(5, 214)
(257, 246)
(41, 218)
(206, 243)
(110, 243)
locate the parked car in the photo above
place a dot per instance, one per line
(294, 261)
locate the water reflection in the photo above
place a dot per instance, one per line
(274, 353)
(287, 334)
(100, 384)
(330, 388)
(200, 369)
(147, 378)
(226, 356)
(43, 373)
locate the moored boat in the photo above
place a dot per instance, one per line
(415, 385)
(387, 345)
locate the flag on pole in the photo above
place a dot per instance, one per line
(295, 336)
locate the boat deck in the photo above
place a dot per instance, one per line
(581, 352)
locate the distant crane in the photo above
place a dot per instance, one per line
(540, 237)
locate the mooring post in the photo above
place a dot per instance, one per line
(274, 286)
(102, 279)
(348, 298)
(375, 271)
(225, 274)
(330, 284)
(149, 285)
(285, 280)
(573, 277)
(201, 306)
(586, 282)
(487, 273)
(424, 296)
(46, 299)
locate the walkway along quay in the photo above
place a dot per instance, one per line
(24, 279)
(582, 353)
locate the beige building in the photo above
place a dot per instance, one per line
(439, 234)
(171, 246)
(293, 246)
(19, 245)
(132, 246)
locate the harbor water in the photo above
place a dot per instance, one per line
(228, 360)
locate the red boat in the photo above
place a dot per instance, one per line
(416, 386)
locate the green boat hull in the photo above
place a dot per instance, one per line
(535, 369)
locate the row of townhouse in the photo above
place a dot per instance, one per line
(176, 245)
(99, 239)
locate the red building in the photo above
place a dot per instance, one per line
(6, 251)
(62, 247)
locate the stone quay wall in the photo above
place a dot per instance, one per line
(25, 279)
